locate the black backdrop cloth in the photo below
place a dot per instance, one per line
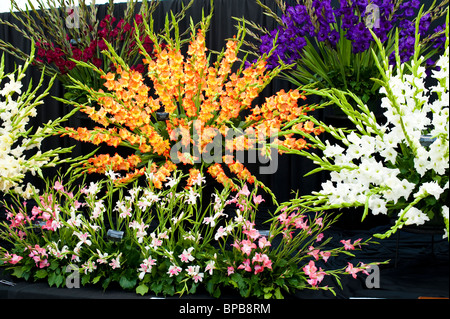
(419, 263)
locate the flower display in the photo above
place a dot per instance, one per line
(69, 32)
(20, 145)
(169, 244)
(167, 205)
(331, 45)
(400, 167)
(204, 107)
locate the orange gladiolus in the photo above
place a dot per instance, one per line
(201, 100)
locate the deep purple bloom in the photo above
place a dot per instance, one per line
(350, 17)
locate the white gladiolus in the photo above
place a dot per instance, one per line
(17, 107)
(389, 165)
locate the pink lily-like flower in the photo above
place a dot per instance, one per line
(247, 247)
(347, 244)
(58, 186)
(325, 255)
(230, 271)
(300, 223)
(115, 262)
(258, 269)
(210, 266)
(174, 270)
(252, 233)
(319, 237)
(186, 256)
(310, 268)
(12, 259)
(267, 263)
(245, 265)
(244, 191)
(352, 270)
(314, 252)
(263, 242)
(83, 237)
(258, 199)
(315, 277)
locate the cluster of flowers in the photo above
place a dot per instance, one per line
(185, 248)
(17, 141)
(392, 168)
(318, 20)
(198, 100)
(60, 57)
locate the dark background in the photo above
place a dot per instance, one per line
(422, 262)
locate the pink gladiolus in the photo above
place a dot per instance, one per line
(352, 270)
(347, 244)
(300, 223)
(282, 218)
(258, 199)
(39, 255)
(319, 221)
(314, 252)
(15, 259)
(315, 277)
(263, 242)
(325, 255)
(319, 237)
(186, 256)
(58, 186)
(252, 233)
(258, 269)
(245, 265)
(236, 245)
(247, 247)
(244, 191)
(310, 268)
(174, 270)
(12, 259)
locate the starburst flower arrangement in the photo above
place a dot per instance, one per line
(399, 168)
(191, 114)
(20, 144)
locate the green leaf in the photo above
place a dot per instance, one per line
(157, 287)
(127, 283)
(85, 279)
(18, 272)
(142, 289)
(42, 273)
(278, 294)
(51, 278)
(106, 282)
(54, 265)
(55, 279)
(96, 279)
